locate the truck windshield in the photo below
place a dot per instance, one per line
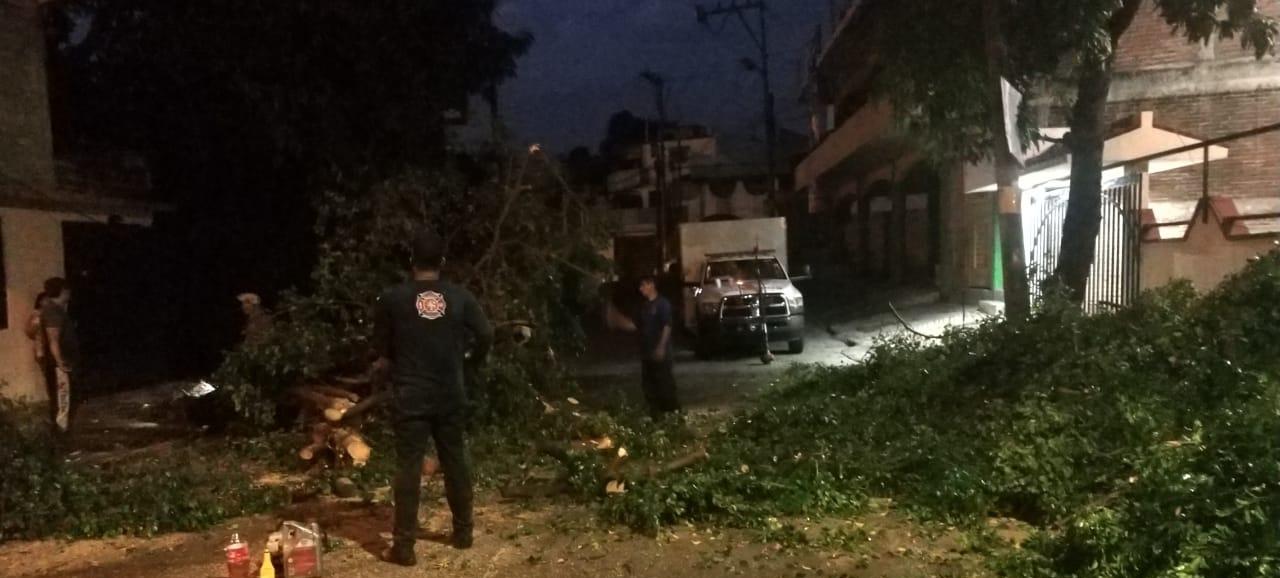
(746, 269)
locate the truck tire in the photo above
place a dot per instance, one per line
(796, 346)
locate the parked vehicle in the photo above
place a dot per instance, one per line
(737, 289)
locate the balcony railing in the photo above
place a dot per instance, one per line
(625, 180)
(825, 35)
(628, 218)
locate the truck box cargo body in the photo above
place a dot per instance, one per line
(738, 288)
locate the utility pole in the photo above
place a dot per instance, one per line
(761, 41)
(495, 112)
(660, 152)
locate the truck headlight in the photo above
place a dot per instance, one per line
(796, 303)
(709, 308)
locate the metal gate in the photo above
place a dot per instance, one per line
(1114, 278)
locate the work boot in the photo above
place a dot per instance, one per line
(400, 554)
(461, 539)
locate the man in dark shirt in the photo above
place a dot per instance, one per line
(654, 325)
(421, 330)
(63, 349)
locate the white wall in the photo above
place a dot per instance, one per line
(1205, 258)
(697, 240)
(33, 252)
(740, 203)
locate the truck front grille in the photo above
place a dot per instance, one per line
(744, 306)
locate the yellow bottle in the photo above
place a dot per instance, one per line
(267, 571)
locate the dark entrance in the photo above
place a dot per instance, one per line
(635, 256)
(121, 301)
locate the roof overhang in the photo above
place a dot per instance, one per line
(1130, 140)
(83, 204)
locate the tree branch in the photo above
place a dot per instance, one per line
(514, 192)
(1121, 20)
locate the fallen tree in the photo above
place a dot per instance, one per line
(609, 468)
(532, 271)
(1140, 442)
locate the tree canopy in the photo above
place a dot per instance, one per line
(330, 85)
(245, 109)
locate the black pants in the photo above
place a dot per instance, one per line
(412, 436)
(659, 385)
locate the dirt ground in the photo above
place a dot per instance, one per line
(535, 540)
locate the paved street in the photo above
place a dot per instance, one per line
(842, 326)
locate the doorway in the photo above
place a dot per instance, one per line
(121, 303)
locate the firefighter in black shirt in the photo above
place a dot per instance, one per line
(421, 331)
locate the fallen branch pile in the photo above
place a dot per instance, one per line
(618, 470)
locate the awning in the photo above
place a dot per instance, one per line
(1134, 138)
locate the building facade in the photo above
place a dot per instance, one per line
(876, 201)
(41, 197)
(892, 218)
(709, 177)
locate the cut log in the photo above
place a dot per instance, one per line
(332, 391)
(365, 405)
(319, 440)
(358, 381)
(320, 401)
(351, 443)
(314, 399)
(333, 407)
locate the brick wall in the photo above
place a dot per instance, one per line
(1151, 43)
(1252, 168)
(26, 141)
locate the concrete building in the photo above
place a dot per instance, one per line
(40, 196)
(876, 201)
(894, 219)
(710, 177)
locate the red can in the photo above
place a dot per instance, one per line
(303, 557)
(302, 561)
(237, 558)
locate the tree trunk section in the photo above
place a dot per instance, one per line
(1087, 141)
(1017, 297)
(1084, 205)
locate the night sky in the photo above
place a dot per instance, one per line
(587, 56)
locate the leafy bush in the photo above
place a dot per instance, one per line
(1142, 442)
(521, 241)
(41, 494)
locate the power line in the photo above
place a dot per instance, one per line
(761, 40)
(660, 96)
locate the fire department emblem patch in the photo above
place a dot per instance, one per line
(431, 305)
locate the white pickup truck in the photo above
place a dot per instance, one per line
(737, 286)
